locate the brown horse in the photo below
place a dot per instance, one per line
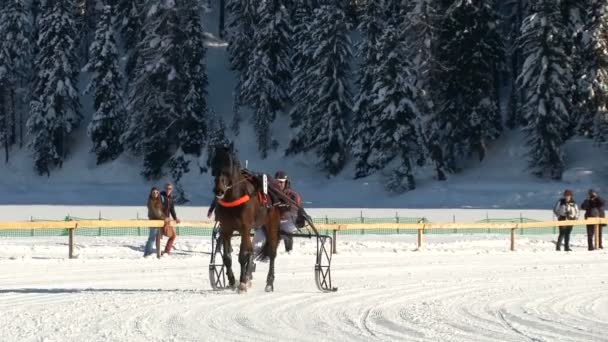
(239, 208)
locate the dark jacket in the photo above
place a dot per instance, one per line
(594, 207)
(168, 206)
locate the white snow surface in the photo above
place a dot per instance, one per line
(457, 288)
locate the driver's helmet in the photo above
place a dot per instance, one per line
(280, 176)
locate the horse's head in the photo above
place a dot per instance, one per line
(225, 167)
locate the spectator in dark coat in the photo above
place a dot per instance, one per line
(565, 209)
(155, 212)
(594, 207)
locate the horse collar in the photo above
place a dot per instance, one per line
(235, 203)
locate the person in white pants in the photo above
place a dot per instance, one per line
(289, 214)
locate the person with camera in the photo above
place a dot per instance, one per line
(594, 207)
(565, 209)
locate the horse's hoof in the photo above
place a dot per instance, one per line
(269, 288)
(243, 288)
(249, 284)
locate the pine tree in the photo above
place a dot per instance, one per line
(217, 136)
(421, 29)
(325, 131)
(596, 86)
(517, 11)
(573, 14)
(55, 107)
(86, 21)
(242, 16)
(395, 114)
(179, 165)
(545, 81)
(132, 14)
(108, 121)
(470, 53)
(192, 123)
(15, 65)
(155, 98)
(266, 84)
(371, 29)
(302, 60)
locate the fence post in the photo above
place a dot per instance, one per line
(362, 221)
(334, 245)
(32, 220)
(521, 220)
(71, 241)
(397, 220)
(158, 237)
(420, 237)
(512, 239)
(597, 236)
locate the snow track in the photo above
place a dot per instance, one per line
(459, 288)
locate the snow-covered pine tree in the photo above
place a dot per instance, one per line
(421, 29)
(330, 72)
(179, 165)
(371, 27)
(217, 134)
(15, 66)
(395, 114)
(86, 22)
(55, 106)
(596, 57)
(155, 98)
(192, 123)
(302, 59)
(242, 16)
(545, 82)
(109, 118)
(266, 85)
(574, 13)
(131, 16)
(517, 10)
(470, 53)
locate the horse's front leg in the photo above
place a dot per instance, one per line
(246, 260)
(227, 259)
(272, 246)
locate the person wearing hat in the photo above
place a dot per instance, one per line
(289, 214)
(594, 207)
(565, 209)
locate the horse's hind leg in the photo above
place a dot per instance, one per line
(246, 261)
(227, 259)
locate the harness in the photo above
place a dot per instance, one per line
(235, 203)
(239, 201)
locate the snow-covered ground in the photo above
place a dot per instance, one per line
(458, 288)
